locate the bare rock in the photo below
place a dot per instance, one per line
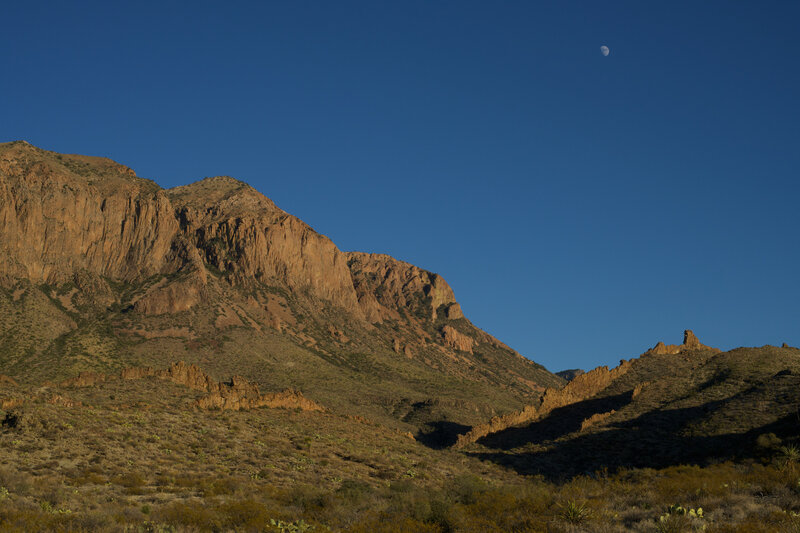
(245, 235)
(637, 390)
(63, 401)
(84, 379)
(396, 345)
(338, 334)
(457, 340)
(690, 340)
(387, 287)
(453, 311)
(690, 343)
(10, 403)
(595, 419)
(189, 376)
(241, 394)
(64, 213)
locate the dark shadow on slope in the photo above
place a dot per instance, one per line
(441, 434)
(717, 379)
(650, 441)
(557, 423)
(787, 427)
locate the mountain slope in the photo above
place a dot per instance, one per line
(100, 269)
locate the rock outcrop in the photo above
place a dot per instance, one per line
(595, 419)
(240, 395)
(84, 379)
(457, 340)
(690, 342)
(581, 388)
(237, 394)
(63, 214)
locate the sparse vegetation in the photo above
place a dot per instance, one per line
(159, 466)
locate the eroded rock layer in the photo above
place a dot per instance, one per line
(236, 395)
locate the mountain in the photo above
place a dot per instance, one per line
(101, 270)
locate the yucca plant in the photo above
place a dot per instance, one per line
(574, 512)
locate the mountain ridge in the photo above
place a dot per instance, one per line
(101, 269)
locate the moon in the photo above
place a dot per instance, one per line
(605, 50)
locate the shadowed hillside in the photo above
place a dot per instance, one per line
(689, 403)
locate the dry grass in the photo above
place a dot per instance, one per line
(134, 457)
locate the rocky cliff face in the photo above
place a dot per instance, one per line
(66, 214)
(62, 214)
(240, 232)
(387, 288)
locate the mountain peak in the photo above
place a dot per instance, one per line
(222, 195)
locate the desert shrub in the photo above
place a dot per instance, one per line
(309, 500)
(245, 515)
(130, 480)
(14, 481)
(492, 503)
(88, 478)
(354, 490)
(223, 486)
(768, 442)
(788, 457)
(679, 519)
(192, 515)
(297, 526)
(402, 485)
(381, 524)
(413, 503)
(467, 488)
(574, 512)
(442, 514)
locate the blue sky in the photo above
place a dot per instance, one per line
(582, 207)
